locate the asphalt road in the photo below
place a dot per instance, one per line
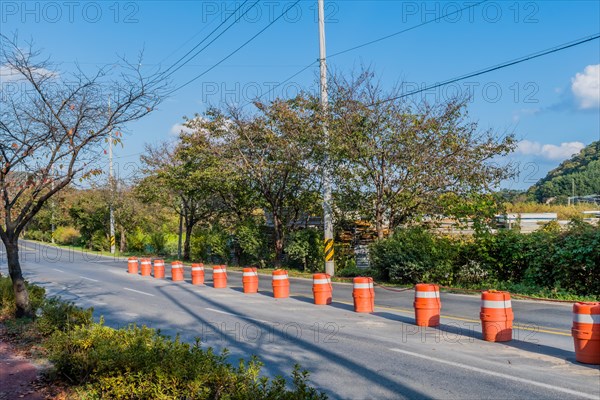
(349, 355)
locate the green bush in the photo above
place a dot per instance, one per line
(171, 243)
(563, 264)
(137, 240)
(99, 241)
(7, 296)
(158, 241)
(251, 241)
(344, 256)
(67, 235)
(40, 236)
(412, 255)
(352, 271)
(304, 249)
(60, 315)
(569, 260)
(211, 244)
(139, 363)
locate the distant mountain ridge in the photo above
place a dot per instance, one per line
(581, 171)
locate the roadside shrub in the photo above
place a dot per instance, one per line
(40, 236)
(344, 256)
(561, 263)
(251, 241)
(503, 256)
(171, 243)
(570, 260)
(139, 363)
(137, 240)
(67, 235)
(352, 271)
(304, 249)
(99, 241)
(59, 315)
(158, 241)
(413, 254)
(211, 244)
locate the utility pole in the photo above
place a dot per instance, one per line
(327, 210)
(110, 185)
(52, 207)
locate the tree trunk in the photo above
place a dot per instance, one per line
(278, 228)
(379, 222)
(189, 226)
(122, 241)
(180, 234)
(14, 270)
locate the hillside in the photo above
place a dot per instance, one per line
(582, 169)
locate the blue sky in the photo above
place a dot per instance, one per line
(551, 103)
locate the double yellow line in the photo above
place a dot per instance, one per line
(541, 329)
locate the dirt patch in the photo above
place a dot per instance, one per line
(21, 374)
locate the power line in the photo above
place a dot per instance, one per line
(366, 44)
(194, 36)
(282, 83)
(404, 30)
(496, 67)
(235, 51)
(212, 41)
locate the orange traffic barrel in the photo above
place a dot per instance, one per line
(281, 284)
(146, 266)
(132, 265)
(159, 269)
(364, 295)
(219, 276)
(177, 271)
(250, 280)
(322, 289)
(427, 304)
(586, 332)
(496, 316)
(198, 274)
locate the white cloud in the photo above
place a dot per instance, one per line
(9, 74)
(178, 128)
(586, 87)
(549, 151)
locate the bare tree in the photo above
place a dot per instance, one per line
(52, 126)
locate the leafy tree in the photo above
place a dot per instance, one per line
(51, 132)
(394, 159)
(276, 154)
(181, 176)
(90, 213)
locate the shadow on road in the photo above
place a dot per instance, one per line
(281, 337)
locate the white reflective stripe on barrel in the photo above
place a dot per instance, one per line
(218, 271)
(250, 274)
(197, 269)
(146, 262)
(321, 281)
(587, 318)
(427, 295)
(177, 266)
(496, 304)
(363, 286)
(159, 264)
(280, 277)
